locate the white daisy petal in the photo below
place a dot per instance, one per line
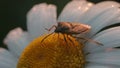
(17, 40)
(7, 60)
(109, 38)
(73, 10)
(97, 67)
(101, 15)
(108, 57)
(92, 65)
(117, 19)
(97, 10)
(41, 16)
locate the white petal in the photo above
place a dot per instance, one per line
(97, 67)
(101, 15)
(108, 57)
(73, 10)
(97, 10)
(117, 19)
(41, 16)
(92, 65)
(109, 38)
(17, 40)
(7, 60)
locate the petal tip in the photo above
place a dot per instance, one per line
(13, 34)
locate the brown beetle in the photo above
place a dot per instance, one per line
(72, 28)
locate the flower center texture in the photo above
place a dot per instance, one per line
(55, 50)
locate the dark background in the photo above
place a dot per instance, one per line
(13, 13)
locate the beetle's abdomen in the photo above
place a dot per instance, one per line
(56, 51)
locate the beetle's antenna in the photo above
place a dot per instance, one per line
(51, 28)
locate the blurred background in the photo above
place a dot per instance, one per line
(13, 13)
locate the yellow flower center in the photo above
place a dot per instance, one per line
(54, 50)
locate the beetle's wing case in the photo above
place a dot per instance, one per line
(78, 28)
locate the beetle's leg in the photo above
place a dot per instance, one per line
(65, 39)
(46, 37)
(90, 40)
(70, 40)
(51, 28)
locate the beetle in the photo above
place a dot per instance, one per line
(73, 28)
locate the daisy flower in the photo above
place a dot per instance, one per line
(42, 16)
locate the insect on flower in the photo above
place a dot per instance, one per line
(73, 28)
(59, 49)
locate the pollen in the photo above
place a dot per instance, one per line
(56, 50)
